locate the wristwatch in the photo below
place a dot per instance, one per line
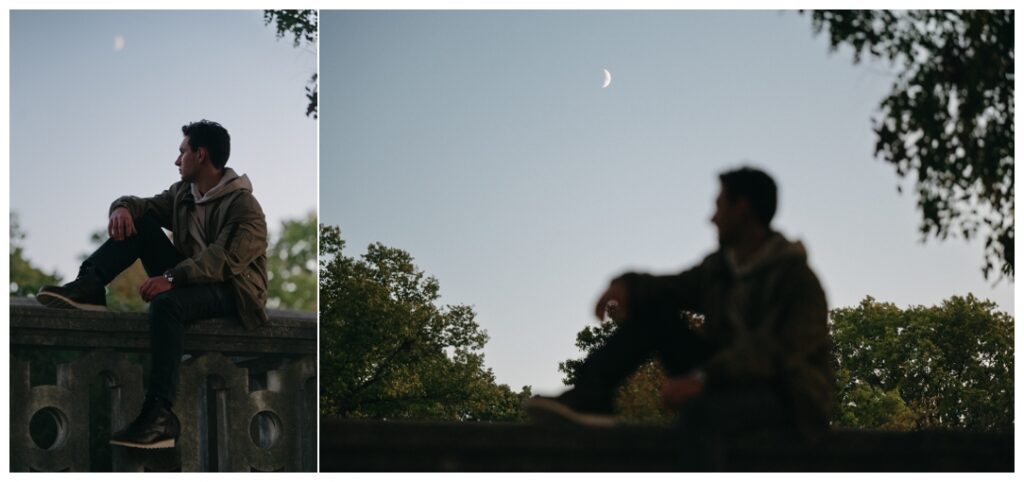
(169, 276)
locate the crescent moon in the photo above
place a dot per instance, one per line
(607, 78)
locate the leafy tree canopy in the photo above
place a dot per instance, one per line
(388, 351)
(291, 265)
(949, 117)
(947, 366)
(303, 26)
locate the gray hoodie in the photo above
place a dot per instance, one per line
(229, 183)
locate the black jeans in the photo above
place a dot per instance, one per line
(706, 421)
(170, 311)
(666, 336)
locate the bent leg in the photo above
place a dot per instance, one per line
(149, 244)
(169, 313)
(667, 336)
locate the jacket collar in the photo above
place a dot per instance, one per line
(774, 250)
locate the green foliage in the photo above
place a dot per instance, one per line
(864, 405)
(949, 116)
(388, 351)
(948, 366)
(26, 279)
(291, 265)
(302, 24)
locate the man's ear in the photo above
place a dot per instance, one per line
(204, 155)
(743, 205)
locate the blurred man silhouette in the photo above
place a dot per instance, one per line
(762, 356)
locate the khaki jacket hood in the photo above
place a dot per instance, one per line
(228, 184)
(776, 249)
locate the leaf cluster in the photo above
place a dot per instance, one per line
(303, 25)
(948, 119)
(291, 265)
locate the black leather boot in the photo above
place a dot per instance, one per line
(155, 428)
(86, 292)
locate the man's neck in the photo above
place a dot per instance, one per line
(749, 244)
(205, 183)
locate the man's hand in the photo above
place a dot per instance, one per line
(154, 286)
(614, 302)
(121, 225)
(680, 389)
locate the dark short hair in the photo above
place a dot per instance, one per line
(211, 135)
(756, 186)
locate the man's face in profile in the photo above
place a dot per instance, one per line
(729, 216)
(187, 162)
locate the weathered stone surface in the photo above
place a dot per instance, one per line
(351, 445)
(287, 332)
(219, 395)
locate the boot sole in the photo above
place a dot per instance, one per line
(53, 300)
(160, 444)
(555, 413)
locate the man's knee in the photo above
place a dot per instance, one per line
(164, 307)
(146, 222)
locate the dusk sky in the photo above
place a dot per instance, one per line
(484, 144)
(98, 99)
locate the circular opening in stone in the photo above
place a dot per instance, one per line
(265, 429)
(48, 428)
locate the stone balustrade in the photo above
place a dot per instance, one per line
(247, 399)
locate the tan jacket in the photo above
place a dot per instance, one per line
(236, 231)
(769, 318)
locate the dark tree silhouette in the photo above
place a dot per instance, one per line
(302, 24)
(949, 117)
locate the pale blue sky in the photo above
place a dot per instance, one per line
(90, 123)
(483, 144)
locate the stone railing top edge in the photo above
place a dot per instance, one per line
(30, 304)
(287, 332)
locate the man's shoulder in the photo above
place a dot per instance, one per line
(247, 198)
(243, 202)
(178, 188)
(712, 262)
(799, 280)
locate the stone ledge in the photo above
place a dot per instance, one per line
(353, 445)
(286, 333)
